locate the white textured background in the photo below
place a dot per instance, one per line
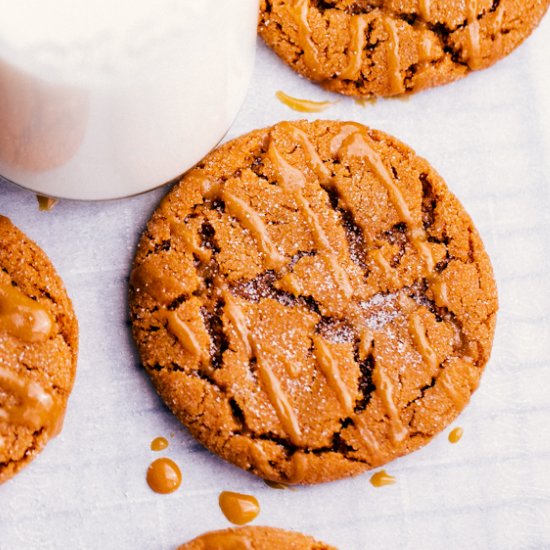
(489, 136)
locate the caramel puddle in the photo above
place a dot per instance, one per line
(159, 444)
(382, 478)
(238, 508)
(164, 476)
(303, 105)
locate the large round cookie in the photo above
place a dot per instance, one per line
(254, 538)
(391, 47)
(311, 301)
(38, 350)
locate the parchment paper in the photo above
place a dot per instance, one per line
(489, 136)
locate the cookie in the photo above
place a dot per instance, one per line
(254, 538)
(393, 47)
(38, 350)
(311, 301)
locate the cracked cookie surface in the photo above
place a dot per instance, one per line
(392, 47)
(254, 538)
(311, 301)
(38, 350)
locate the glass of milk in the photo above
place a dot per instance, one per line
(101, 99)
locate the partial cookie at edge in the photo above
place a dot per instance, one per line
(256, 538)
(37, 368)
(388, 48)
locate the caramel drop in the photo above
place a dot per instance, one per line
(35, 408)
(474, 46)
(382, 478)
(159, 444)
(456, 435)
(238, 508)
(164, 476)
(303, 105)
(45, 203)
(22, 317)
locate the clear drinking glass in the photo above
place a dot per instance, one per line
(101, 99)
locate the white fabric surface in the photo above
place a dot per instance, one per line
(489, 136)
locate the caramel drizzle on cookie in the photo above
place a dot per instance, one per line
(251, 221)
(383, 263)
(385, 389)
(452, 391)
(226, 541)
(421, 342)
(35, 408)
(183, 332)
(352, 141)
(299, 464)
(187, 336)
(299, 10)
(272, 385)
(425, 43)
(22, 317)
(358, 41)
(278, 398)
(474, 47)
(356, 144)
(158, 284)
(328, 365)
(345, 144)
(424, 8)
(441, 293)
(394, 60)
(293, 181)
(238, 320)
(498, 24)
(190, 241)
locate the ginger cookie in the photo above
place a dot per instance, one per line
(38, 350)
(254, 538)
(393, 47)
(312, 302)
